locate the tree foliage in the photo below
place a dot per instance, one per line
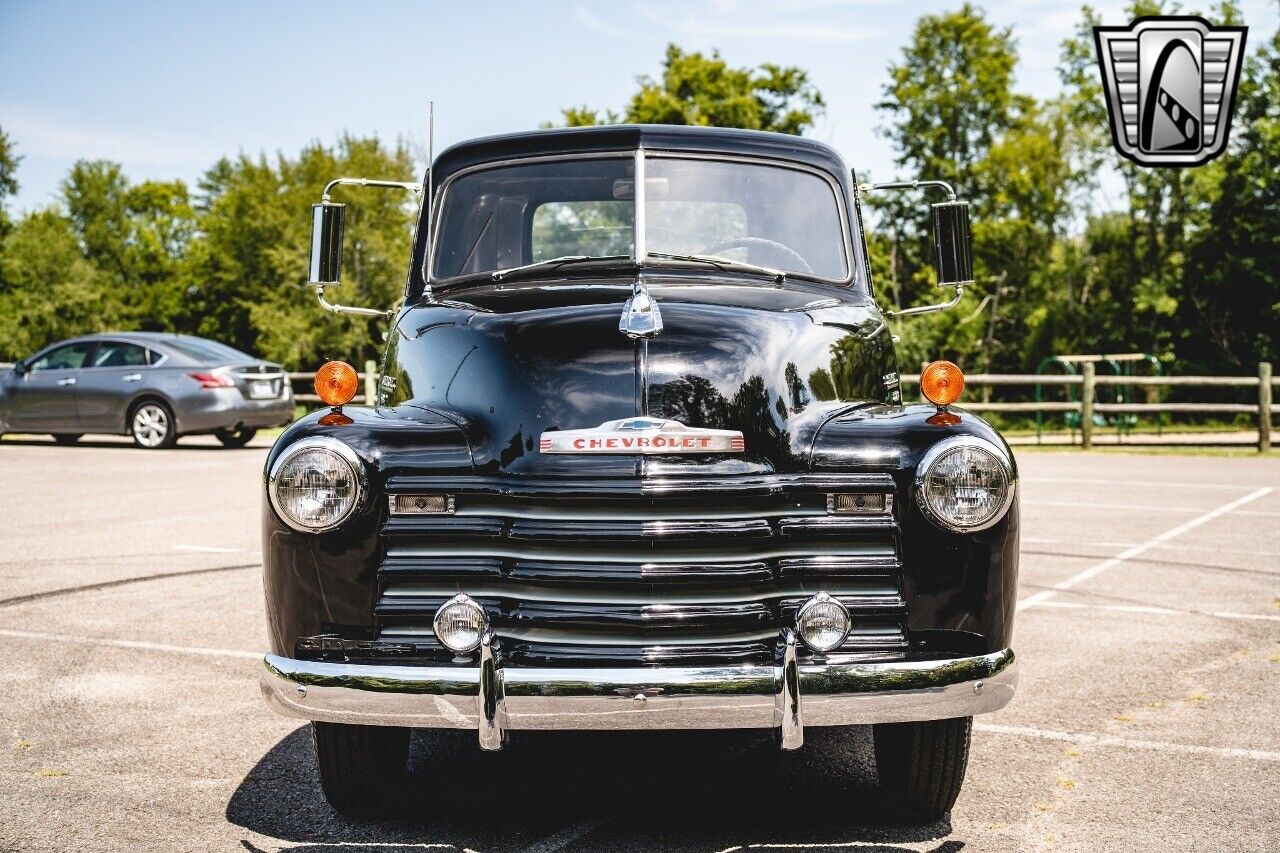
(227, 262)
(696, 89)
(1185, 267)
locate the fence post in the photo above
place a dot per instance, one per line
(1264, 406)
(1086, 408)
(370, 383)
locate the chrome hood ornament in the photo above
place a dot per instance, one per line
(640, 315)
(642, 435)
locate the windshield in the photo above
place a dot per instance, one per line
(752, 213)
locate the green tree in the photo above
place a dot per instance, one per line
(696, 89)
(951, 95)
(9, 160)
(50, 291)
(1232, 276)
(137, 236)
(247, 268)
(952, 114)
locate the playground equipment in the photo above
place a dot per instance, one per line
(1122, 364)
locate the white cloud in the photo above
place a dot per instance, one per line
(40, 135)
(591, 21)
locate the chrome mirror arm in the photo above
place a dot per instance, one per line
(928, 309)
(346, 309)
(409, 186)
(909, 185)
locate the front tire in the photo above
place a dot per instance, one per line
(235, 437)
(361, 767)
(922, 765)
(66, 438)
(152, 426)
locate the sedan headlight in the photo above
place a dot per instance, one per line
(965, 483)
(316, 484)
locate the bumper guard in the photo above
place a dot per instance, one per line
(786, 697)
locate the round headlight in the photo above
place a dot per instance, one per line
(460, 624)
(823, 623)
(964, 483)
(316, 484)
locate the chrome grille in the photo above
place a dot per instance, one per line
(642, 578)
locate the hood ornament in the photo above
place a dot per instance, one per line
(642, 435)
(640, 315)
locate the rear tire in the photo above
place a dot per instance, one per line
(235, 437)
(67, 437)
(922, 765)
(362, 768)
(152, 426)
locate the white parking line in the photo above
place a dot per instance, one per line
(1160, 611)
(566, 836)
(1155, 484)
(1082, 739)
(1129, 553)
(1156, 509)
(1179, 547)
(128, 644)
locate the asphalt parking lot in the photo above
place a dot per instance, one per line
(131, 618)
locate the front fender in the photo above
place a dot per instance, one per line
(316, 583)
(960, 588)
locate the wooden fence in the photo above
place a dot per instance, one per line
(1085, 407)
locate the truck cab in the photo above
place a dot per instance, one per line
(640, 458)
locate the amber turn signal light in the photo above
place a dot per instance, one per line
(336, 382)
(941, 383)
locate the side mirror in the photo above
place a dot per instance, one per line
(19, 368)
(953, 243)
(326, 242)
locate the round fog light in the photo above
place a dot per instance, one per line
(460, 624)
(823, 623)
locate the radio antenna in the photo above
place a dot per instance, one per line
(431, 173)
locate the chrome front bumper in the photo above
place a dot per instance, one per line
(787, 697)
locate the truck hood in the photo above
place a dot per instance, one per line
(509, 364)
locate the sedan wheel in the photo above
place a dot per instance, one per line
(152, 426)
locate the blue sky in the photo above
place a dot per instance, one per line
(167, 88)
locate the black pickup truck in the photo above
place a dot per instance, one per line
(640, 459)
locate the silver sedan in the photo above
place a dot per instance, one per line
(152, 386)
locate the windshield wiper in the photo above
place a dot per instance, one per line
(554, 263)
(722, 263)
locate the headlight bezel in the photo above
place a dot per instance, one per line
(345, 454)
(935, 453)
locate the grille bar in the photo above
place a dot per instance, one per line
(628, 573)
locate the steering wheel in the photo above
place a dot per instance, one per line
(760, 242)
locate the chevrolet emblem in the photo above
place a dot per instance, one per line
(642, 435)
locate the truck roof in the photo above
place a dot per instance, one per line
(628, 137)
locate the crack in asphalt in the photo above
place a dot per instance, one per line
(93, 587)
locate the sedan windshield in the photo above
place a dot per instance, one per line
(695, 210)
